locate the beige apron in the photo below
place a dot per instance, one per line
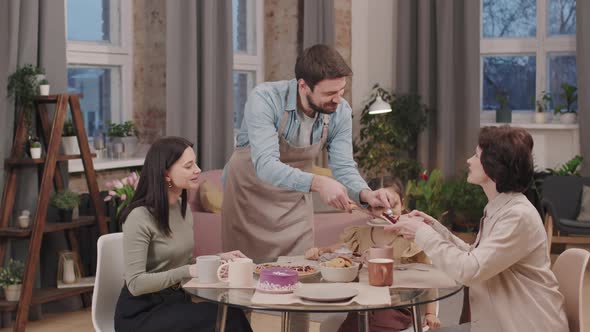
(262, 220)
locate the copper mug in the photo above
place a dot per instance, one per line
(380, 272)
(377, 252)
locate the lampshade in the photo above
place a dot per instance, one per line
(379, 106)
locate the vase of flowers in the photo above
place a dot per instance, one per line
(122, 190)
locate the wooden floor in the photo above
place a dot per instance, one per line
(82, 321)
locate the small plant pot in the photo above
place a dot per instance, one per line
(568, 118)
(70, 145)
(44, 90)
(65, 215)
(12, 292)
(24, 221)
(35, 153)
(130, 145)
(540, 117)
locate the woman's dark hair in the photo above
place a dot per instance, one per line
(319, 62)
(506, 157)
(152, 189)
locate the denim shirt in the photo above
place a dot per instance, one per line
(262, 116)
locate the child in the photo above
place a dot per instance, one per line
(360, 238)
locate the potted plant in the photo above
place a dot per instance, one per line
(35, 148)
(567, 111)
(388, 142)
(11, 278)
(22, 88)
(465, 202)
(69, 140)
(543, 104)
(65, 202)
(44, 87)
(125, 134)
(427, 194)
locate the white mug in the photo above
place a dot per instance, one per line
(207, 268)
(239, 272)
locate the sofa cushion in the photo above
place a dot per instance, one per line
(210, 197)
(213, 177)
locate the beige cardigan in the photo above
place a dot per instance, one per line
(507, 269)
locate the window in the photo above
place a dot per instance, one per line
(527, 46)
(248, 52)
(100, 60)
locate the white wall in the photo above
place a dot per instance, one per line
(373, 50)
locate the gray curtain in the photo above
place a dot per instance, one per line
(438, 58)
(32, 32)
(318, 28)
(583, 64)
(199, 90)
(318, 22)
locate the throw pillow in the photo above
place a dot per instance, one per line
(584, 215)
(210, 197)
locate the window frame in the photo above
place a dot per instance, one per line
(252, 62)
(96, 54)
(541, 46)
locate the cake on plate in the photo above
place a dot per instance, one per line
(278, 280)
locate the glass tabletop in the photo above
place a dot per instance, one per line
(400, 298)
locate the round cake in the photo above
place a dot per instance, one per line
(278, 280)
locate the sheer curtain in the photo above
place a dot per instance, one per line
(199, 86)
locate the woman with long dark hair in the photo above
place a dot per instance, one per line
(158, 245)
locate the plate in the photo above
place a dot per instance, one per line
(325, 293)
(304, 270)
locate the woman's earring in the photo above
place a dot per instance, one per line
(170, 184)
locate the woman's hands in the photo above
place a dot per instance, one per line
(192, 270)
(407, 227)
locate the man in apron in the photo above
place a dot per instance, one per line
(267, 209)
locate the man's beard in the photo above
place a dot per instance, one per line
(319, 109)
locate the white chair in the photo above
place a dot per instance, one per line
(569, 269)
(110, 270)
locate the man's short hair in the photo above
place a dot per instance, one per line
(506, 157)
(320, 62)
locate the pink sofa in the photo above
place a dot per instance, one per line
(207, 225)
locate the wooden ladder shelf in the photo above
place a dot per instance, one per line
(51, 136)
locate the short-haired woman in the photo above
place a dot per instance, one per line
(507, 269)
(158, 245)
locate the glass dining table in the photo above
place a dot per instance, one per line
(411, 298)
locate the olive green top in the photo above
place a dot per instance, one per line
(154, 261)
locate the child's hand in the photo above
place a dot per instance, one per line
(432, 321)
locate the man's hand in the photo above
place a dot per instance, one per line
(380, 200)
(331, 192)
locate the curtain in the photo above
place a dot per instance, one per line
(438, 58)
(33, 32)
(583, 64)
(318, 23)
(318, 28)
(199, 86)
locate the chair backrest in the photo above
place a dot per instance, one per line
(565, 193)
(110, 277)
(569, 269)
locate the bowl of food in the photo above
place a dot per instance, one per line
(339, 269)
